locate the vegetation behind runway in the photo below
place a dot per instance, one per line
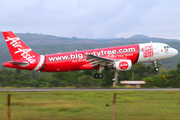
(83, 105)
(84, 79)
(20, 78)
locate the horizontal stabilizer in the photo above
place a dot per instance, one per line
(23, 64)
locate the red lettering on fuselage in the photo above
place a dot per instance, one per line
(147, 51)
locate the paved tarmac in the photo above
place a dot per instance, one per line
(86, 89)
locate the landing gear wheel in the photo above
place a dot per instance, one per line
(157, 69)
(100, 75)
(96, 75)
(156, 66)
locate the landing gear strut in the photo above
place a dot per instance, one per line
(100, 75)
(155, 65)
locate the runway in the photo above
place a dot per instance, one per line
(86, 89)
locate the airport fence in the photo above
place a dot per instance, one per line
(126, 105)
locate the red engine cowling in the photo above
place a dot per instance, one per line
(123, 65)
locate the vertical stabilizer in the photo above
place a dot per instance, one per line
(18, 49)
(23, 56)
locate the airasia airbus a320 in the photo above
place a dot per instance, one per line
(118, 58)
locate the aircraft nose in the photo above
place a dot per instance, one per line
(174, 52)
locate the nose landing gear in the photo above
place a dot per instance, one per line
(155, 65)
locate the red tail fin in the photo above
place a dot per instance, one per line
(17, 48)
(23, 56)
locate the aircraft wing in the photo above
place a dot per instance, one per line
(96, 60)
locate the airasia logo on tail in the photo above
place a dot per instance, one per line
(18, 48)
(123, 65)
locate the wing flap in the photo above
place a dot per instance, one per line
(96, 60)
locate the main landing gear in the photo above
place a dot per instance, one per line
(155, 65)
(100, 75)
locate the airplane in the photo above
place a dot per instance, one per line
(118, 58)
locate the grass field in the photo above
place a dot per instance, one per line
(90, 105)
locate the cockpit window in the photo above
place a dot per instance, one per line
(166, 47)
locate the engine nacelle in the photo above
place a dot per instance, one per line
(123, 65)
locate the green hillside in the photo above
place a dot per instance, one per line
(39, 39)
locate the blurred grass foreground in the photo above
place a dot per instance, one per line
(90, 105)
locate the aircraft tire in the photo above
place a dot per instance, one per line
(96, 75)
(157, 69)
(100, 75)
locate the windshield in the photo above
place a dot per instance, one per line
(166, 47)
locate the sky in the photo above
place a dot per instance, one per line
(92, 18)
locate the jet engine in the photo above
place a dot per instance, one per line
(123, 65)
